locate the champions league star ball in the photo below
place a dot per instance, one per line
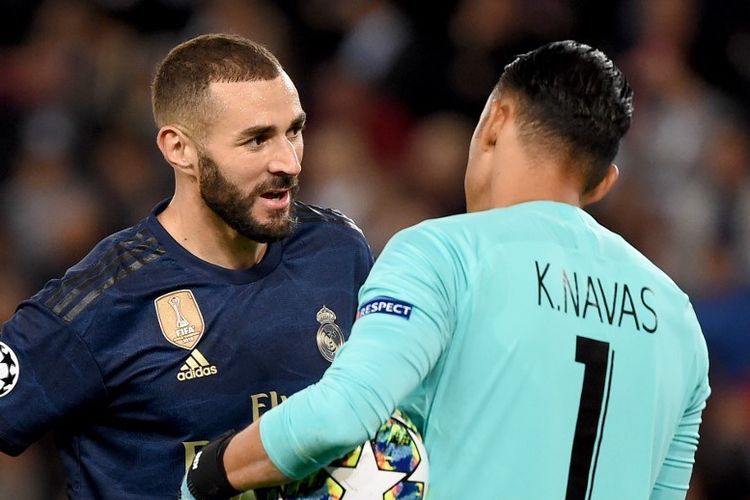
(8, 369)
(391, 466)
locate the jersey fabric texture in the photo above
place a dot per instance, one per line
(108, 356)
(543, 356)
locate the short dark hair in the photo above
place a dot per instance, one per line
(571, 96)
(179, 91)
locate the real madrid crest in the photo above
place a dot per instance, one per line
(180, 318)
(329, 337)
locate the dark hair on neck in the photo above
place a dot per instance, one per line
(573, 101)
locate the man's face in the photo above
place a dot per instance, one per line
(250, 159)
(236, 209)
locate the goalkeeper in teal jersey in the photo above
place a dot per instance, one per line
(542, 356)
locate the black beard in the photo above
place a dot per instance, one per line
(227, 202)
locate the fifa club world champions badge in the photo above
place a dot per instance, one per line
(180, 318)
(329, 337)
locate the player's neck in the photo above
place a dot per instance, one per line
(551, 193)
(202, 233)
(529, 180)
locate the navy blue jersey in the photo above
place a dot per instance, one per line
(142, 353)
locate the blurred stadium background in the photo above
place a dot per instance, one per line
(392, 90)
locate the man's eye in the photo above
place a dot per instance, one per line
(295, 131)
(256, 141)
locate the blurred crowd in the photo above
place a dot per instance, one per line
(392, 90)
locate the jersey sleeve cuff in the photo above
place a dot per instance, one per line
(281, 447)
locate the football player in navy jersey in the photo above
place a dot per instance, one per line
(229, 297)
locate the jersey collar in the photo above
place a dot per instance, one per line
(268, 263)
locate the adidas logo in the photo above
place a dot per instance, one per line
(196, 366)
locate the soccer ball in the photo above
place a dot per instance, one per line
(391, 466)
(8, 369)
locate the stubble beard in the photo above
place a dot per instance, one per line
(226, 201)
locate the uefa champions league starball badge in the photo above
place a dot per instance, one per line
(9, 369)
(329, 337)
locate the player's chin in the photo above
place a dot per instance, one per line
(274, 216)
(276, 227)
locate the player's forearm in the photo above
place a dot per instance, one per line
(229, 465)
(247, 464)
(358, 393)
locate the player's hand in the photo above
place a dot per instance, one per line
(206, 478)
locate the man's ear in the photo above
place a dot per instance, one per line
(178, 149)
(604, 186)
(492, 121)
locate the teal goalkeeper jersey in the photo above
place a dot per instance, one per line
(543, 357)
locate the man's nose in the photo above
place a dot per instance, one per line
(285, 159)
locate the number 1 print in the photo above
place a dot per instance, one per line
(598, 362)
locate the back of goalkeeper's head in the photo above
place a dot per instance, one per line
(574, 103)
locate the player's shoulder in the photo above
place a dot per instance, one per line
(308, 213)
(443, 238)
(514, 222)
(112, 260)
(447, 230)
(312, 217)
(621, 251)
(648, 267)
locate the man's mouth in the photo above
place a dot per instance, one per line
(277, 198)
(275, 195)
